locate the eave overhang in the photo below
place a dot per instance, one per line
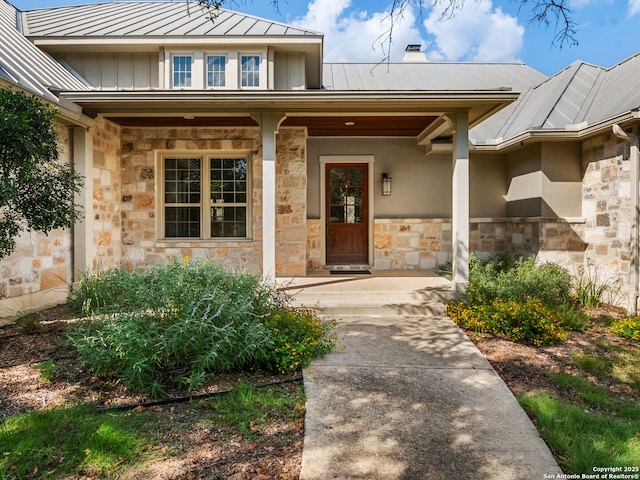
(478, 104)
(153, 43)
(67, 112)
(571, 132)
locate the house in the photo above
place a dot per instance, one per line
(232, 141)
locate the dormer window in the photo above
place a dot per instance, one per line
(250, 70)
(228, 70)
(216, 71)
(182, 71)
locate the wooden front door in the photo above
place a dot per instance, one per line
(347, 213)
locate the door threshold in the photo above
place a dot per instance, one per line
(348, 268)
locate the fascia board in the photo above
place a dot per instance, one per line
(448, 99)
(65, 111)
(603, 126)
(175, 41)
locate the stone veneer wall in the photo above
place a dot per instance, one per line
(39, 271)
(139, 238)
(314, 244)
(291, 202)
(107, 184)
(408, 244)
(606, 200)
(425, 244)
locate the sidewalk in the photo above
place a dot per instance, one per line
(410, 397)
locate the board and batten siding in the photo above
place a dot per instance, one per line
(116, 71)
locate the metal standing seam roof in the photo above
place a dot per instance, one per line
(580, 95)
(23, 64)
(429, 76)
(153, 19)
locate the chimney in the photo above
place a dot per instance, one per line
(412, 54)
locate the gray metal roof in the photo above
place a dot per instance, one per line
(429, 76)
(23, 64)
(580, 95)
(153, 19)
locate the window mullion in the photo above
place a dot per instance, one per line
(205, 188)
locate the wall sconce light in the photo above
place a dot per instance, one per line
(386, 185)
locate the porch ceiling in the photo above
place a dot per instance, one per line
(389, 113)
(317, 126)
(361, 126)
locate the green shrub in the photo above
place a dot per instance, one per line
(590, 290)
(297, 337)
(531, 322)
(547, 282)
(172, 327)
(627, 328)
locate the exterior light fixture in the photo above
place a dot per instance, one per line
(386, 185)
(349, 123)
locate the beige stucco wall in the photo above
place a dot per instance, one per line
(544, 179)
(524, 181)
(487, 185)
(421, 183)
(39, 270)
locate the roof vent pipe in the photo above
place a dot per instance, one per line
(412, 54)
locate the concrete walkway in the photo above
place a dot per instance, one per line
(407, 395)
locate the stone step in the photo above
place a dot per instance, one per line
(414, 303)
(402, 310)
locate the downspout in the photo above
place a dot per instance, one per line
(634, 159)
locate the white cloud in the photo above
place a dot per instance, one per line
(634, 7)
(357, 35)
(477, 32)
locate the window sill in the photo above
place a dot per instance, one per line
(199, 242)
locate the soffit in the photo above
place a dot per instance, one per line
(361, 126)
(317, 126)
(479, 105)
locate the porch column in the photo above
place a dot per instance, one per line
(460, 201)
(84, 248)
(269, 123)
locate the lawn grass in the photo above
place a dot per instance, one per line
(81, 441)
(246, 409)
(75, 440)
(583, 422)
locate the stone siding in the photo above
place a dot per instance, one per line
(107, 184)
(140, 243)
(606, 204)
(39, 271)
(291, 203)
(425, 244)
(314, 244)
(139, 204)
(410, 244)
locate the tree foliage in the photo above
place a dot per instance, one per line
(36, 189)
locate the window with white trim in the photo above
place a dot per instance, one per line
(216, 70)
(250, 70)
(205, 197)
(182, 70)
(228, 70)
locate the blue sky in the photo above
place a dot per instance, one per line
(483, 30)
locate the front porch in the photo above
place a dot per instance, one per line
(380, 293)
